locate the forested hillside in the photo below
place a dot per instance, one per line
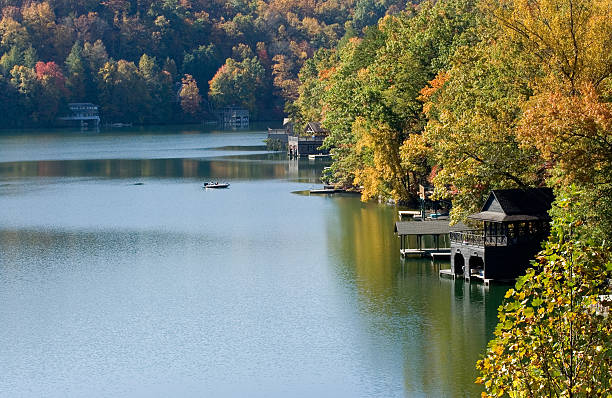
(154, 61)
(475, 95)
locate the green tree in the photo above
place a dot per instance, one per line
(18, 56)
(159, 87)
(148, 68)
(13, 113)
(202, 63)
(367, 12)
(95, 54)
(369, 97)
(95, 57)
(10, 59)
(238, 83)
(76, 72)
(123, 92)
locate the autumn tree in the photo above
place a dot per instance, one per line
(52, 93)
(52, 41)
(13, 34)
(471, 128)
(195, 36)
(527, 105)
(24, 80)
(283, 72)
(370, 97)
(238, 83)
(571, 38)
(568, 119)
(190, 96)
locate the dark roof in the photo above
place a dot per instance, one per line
(430, 227)
(508, 205)
(315, 128)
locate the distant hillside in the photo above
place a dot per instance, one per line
(133, 57)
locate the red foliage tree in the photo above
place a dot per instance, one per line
(50, 72)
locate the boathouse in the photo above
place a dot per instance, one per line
(277, 138)
(310, 144)
(513, 224)
(304, 146)
(83, 112)
(315, 129)
(232, 117)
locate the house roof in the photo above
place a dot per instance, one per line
(316, 128)
(511, 205)
(429, 227)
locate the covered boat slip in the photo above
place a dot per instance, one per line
(420, 229)
(513, 223)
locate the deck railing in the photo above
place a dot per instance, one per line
(313, 138)
(478, 238)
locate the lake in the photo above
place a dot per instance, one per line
(121, 277)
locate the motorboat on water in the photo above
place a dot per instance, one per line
(215, 185)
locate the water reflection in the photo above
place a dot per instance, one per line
(256, 167)
(442, 325)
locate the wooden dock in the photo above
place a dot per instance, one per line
(434, 228)
(432, 253)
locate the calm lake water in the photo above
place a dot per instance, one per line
(163, 289)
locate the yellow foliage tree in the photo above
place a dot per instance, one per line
(384, 172)
(190, 96)
(572, 38)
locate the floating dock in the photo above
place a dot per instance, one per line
(324, 191)
(319, 156)
(433, 253)
(330, 189)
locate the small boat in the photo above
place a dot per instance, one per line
(120, 125)
(318, 156)
(215, 185)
